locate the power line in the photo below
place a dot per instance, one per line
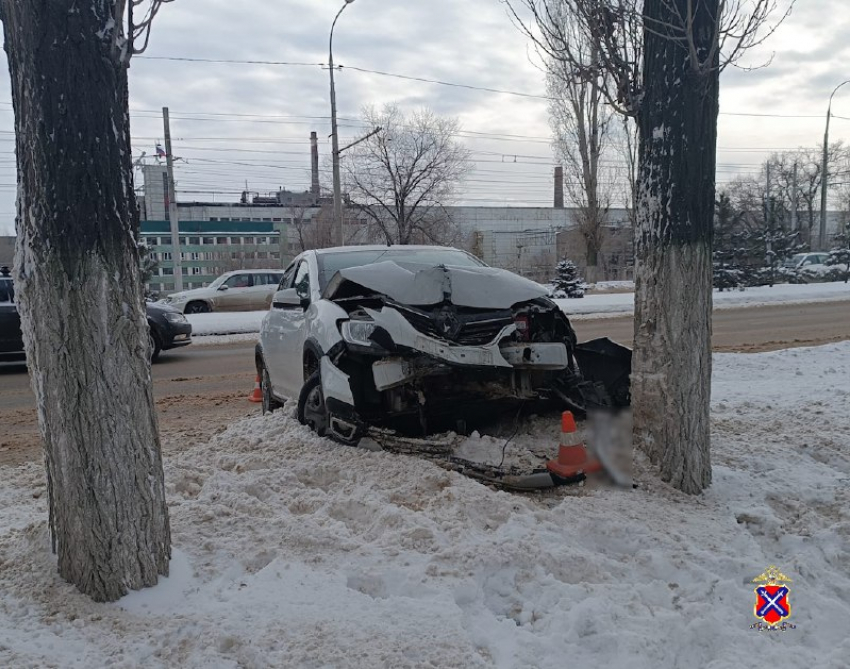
(228, 61)
(396, 75)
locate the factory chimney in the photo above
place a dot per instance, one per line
(559, 187)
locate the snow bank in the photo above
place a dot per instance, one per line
(218, 340)
(591, 306)
(624, 303)
(612, 285)
(226, 323)
(291, 551)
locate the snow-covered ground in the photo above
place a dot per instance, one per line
(623, 303)
(291, 551)
(209, 328)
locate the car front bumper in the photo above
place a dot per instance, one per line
(175, 335)
(442, 374)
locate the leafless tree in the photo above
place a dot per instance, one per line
(584, 128)
(746, 198)
(301, 222)
(78, 287)
(792, 181)
(580, 123)
(668, 79)
(314, 227)
(628, 149)
(402, 177)
(795, 179)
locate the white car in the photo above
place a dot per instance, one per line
(420, 338)
(242, 290)
(808, 266)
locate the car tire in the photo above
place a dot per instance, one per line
(197, 307)
(269, 401)
(154, 346)
(312, 410)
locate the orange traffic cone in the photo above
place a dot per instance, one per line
(257, 394)
(572, 457)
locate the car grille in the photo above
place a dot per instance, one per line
(476, 328)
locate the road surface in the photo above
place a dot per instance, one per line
(200, 389)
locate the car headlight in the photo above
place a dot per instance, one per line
(175, 318)
(358, 332)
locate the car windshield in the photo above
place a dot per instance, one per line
(7, 291)
(795, 259)
(331, 263)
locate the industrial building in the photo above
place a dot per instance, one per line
(527, 240)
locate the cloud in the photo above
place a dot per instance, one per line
(470, 42)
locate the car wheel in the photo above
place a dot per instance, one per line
(312, 410)
(197, 308)
(154, 348)
(269, 402)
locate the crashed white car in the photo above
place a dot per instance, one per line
(422, 338)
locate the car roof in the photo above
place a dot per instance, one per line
(252, 271)
(384, 247)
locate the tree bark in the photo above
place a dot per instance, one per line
(80, 297)
(671, 375)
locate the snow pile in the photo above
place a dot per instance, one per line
(624, 303)
(295, 552)
(226, 323)
(220, 340)
(601, 286)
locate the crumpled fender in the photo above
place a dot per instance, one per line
(336, 384)
(324, 330)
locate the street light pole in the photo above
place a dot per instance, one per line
(337, 212)
(824, 186)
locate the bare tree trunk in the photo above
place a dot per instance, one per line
(77, 281)
(671, 376)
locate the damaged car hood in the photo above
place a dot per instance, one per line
(478, 287)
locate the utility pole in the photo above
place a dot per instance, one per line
(337, 212)
(824, 183)
(824, 186)
(768, 218)
(794, 222)
(176, 261)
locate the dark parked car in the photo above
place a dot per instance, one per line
(168, 327)
(11, 343)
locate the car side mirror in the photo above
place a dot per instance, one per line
(222, 287)
(288, 298)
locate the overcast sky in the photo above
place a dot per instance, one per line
(235, 123)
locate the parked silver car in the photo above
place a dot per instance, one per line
(421, 338)
(242, 290)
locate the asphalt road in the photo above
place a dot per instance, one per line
(199, 389)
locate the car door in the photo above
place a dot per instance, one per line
(284, 331)
(235, 293)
